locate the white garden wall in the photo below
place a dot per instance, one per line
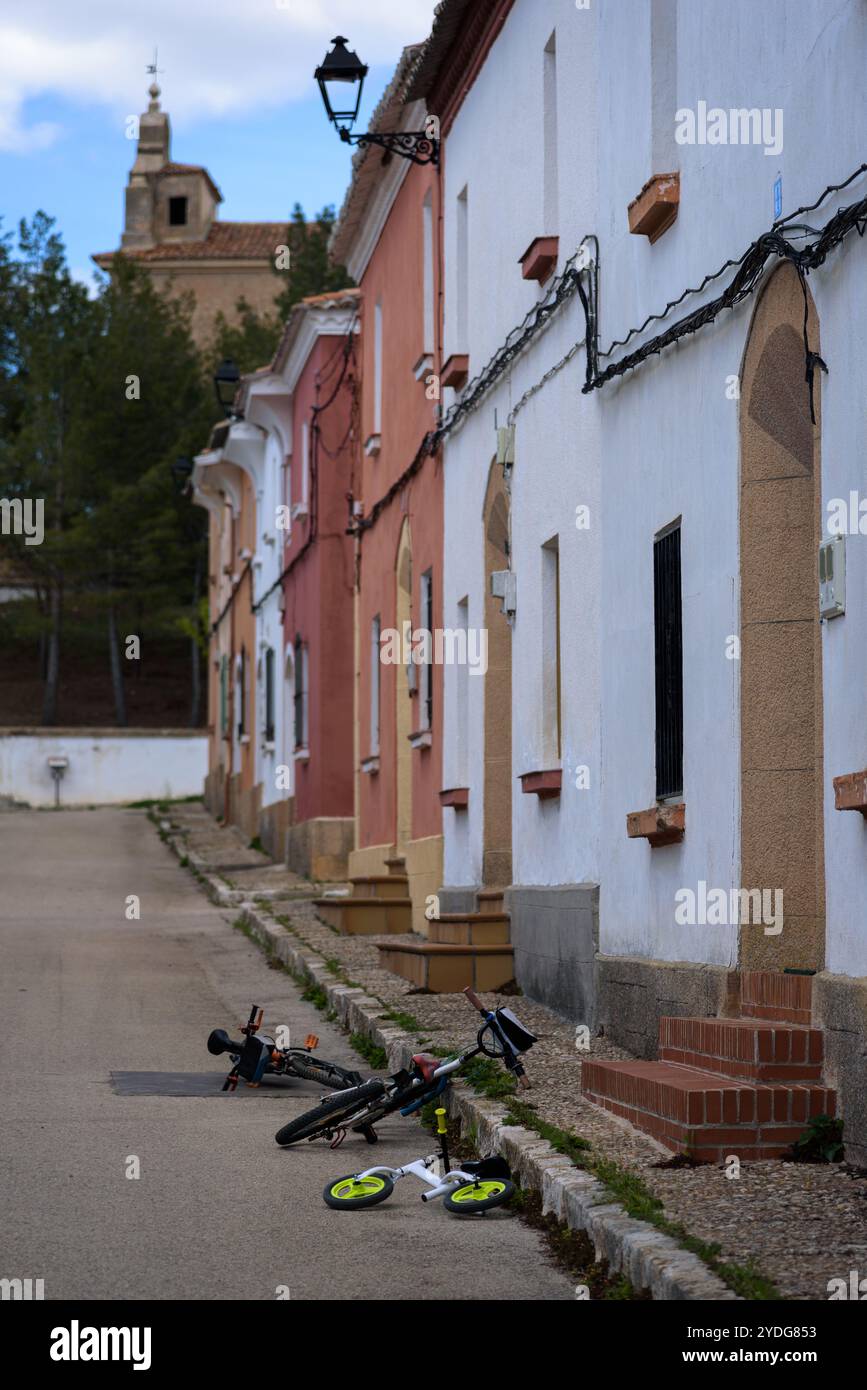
(106, 766)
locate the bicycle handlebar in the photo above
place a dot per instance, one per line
(510, 1056)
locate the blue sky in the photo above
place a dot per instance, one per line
(236, 81)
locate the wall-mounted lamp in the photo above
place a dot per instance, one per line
(341, 69)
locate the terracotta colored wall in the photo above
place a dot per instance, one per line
(318, 593)
(394, 276)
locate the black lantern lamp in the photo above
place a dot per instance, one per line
(226, 379)
(341, 69)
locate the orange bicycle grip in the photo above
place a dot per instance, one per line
(474, 999)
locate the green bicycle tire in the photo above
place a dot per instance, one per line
(473, 1198)
(357, 1192)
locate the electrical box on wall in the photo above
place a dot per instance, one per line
(506, 446)
(832, 577)
(504, 586)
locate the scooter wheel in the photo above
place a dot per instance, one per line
(473, 1198)
(351, 1192)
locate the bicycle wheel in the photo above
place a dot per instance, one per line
(325, 1073)
(329, 1115)
(352, 1191)
(475, 1197)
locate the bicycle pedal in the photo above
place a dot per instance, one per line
(311, 1041)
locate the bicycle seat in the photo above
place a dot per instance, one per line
(426, 1064)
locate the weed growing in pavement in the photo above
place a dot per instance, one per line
(487, 1078)
(370, 1051)
(560, 1139)
(407, 1022)
(821, 1142)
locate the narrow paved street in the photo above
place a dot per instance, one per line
(219, 1212)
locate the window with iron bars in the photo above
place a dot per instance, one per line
(668, 646)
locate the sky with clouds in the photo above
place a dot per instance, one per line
(237, 82)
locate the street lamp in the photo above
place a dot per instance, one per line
(226, 379)
(341, 68)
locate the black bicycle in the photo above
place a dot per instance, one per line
(501, 1035)
(258, 1055)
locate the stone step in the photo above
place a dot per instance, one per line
(380, 886)
(709, 1117)
(396, 864)
(447, 969)
(490, 899)
(366, 916)
(470, 929)
(751, 1049)
(777, 997)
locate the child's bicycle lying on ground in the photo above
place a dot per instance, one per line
(359, 1109)
(471, 1189)
(258, 1055)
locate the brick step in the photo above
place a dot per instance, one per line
(779, 998)
(447, 969)
(470, 929)
(380, 886)
(366, 916)
(709, 1117)
(751, 1049)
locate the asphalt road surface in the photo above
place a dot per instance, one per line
(218, 1211)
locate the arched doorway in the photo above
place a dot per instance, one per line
(403, 704)
(782, 842)
(497, 821)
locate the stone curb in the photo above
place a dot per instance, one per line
(649, 1258)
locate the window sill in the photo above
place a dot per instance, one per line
(545, 785)
(299, 509)
(455, 371)
(540, 258)
(422, 738)
(659, 825)
(423, 366)
(457, 797)
(370, 765)
(655, 208)
(244, 739)
(850, 792)
(372, 445)
(301, 755)
(268, 746)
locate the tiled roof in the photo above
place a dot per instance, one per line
(173, 168)
(225, 241)
(331, 299)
